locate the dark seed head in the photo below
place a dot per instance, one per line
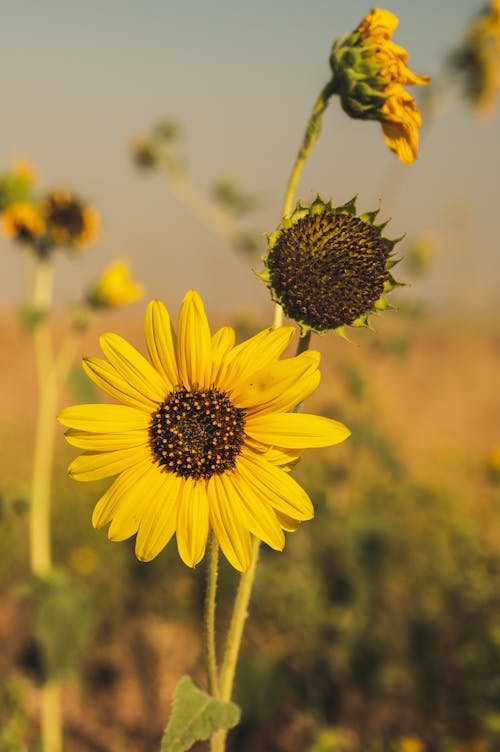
(328, 269)
(197, 433)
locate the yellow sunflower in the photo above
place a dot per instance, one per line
(203, 440)
(70, 221)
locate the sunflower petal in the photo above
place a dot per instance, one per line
(192, 522)
(95, 466)
(103, 418)
(127, 481)
(280, 386)
(275, 486)
(295, 430)
(255, 511)
(159, 518)
(109, 380)
(222, 343)
(233, 536)
(194, 345)
(134, 367)
(106, 442)
(160, 340)
(252, 355)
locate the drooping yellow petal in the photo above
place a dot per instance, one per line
(109, 501)
(254, 509)
(95, 466)
(296, 430)
(192, 522)
(134, 367)
(159, 519)
(103, 418)
(287, 523)
(160, 340)
(275, 486)
(109, 380)
(133, 504)
(232, 534)
(194, 345)
(280, 386)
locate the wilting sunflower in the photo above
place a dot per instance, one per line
(115, 287)
(329, 267)
(203, 440)
(70, 221)
(369, 72)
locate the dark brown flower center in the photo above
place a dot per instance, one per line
(66, 216)
(328, 269)
(197, 433)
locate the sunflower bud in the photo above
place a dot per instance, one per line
(328, 268)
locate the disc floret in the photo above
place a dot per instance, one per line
(329, 267)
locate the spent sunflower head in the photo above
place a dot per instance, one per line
(23, 222)
(369, 72)
(115, 287)
(203, 440)
(70, 221)
(477, 60)
(329, 267)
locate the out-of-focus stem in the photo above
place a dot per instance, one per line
(51, 721)
(212, 216)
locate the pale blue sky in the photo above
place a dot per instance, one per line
(79, 79)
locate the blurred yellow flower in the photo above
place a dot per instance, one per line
(409, 744)
(115, 287)
(70, 221)
(22, 221)
(83, 560)
(478, 59)
(23, 169)
(204, 439)
(369, 72)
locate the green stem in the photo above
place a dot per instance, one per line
(210, 603)
(311, 135)
(304, 342)
(240, 613)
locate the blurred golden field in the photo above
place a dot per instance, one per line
(380, 621)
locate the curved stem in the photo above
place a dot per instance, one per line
(311, 135)
(210, 603)
(212, 216)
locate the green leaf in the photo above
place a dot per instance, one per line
(196, 716)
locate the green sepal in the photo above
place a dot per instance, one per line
(196, 716)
